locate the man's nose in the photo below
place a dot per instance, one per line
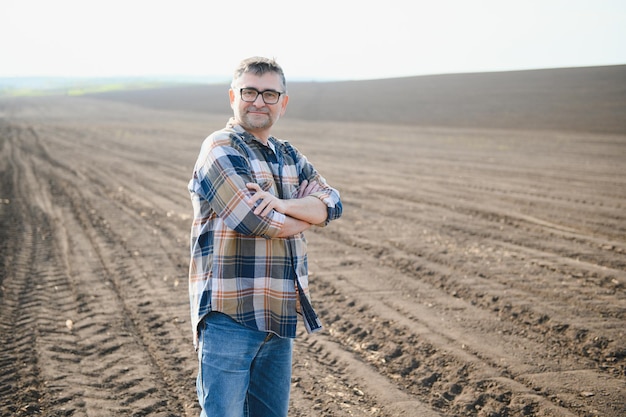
(259, 97)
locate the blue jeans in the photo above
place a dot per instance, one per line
(242, 372)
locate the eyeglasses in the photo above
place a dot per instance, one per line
(250, 94)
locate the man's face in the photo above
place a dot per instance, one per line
(257, 117)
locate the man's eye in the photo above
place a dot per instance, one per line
(249, 93)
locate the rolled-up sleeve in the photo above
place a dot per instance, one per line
(328, 195)
(332, 199)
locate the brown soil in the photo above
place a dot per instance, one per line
(475, 272)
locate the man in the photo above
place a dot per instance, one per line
(253, 197)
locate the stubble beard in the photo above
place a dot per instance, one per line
(256, 122)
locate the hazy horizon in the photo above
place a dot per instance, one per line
(226, 78)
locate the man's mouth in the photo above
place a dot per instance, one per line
(255, 111)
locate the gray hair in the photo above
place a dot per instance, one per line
(259, 65)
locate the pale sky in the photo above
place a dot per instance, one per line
(312, 40)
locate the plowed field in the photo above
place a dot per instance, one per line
(477, 272)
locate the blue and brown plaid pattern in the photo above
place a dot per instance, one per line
(238, 265)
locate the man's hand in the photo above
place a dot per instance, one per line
(308, 189)
(266, 200)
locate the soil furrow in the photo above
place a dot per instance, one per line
(453, 338)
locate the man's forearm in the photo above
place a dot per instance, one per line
(293, 226)
(309, 209)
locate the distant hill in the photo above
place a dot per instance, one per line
(41, 86)
(587, 99)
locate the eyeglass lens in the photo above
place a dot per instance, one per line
(269, 96)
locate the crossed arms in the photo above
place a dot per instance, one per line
(300, 213)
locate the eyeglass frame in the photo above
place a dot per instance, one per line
(260, 93)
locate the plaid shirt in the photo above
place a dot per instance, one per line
(238, 265)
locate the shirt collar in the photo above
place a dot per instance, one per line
(247, 136)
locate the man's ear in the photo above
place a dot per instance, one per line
(283, 106)
(231, 95)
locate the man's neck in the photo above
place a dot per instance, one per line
(262, 137)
